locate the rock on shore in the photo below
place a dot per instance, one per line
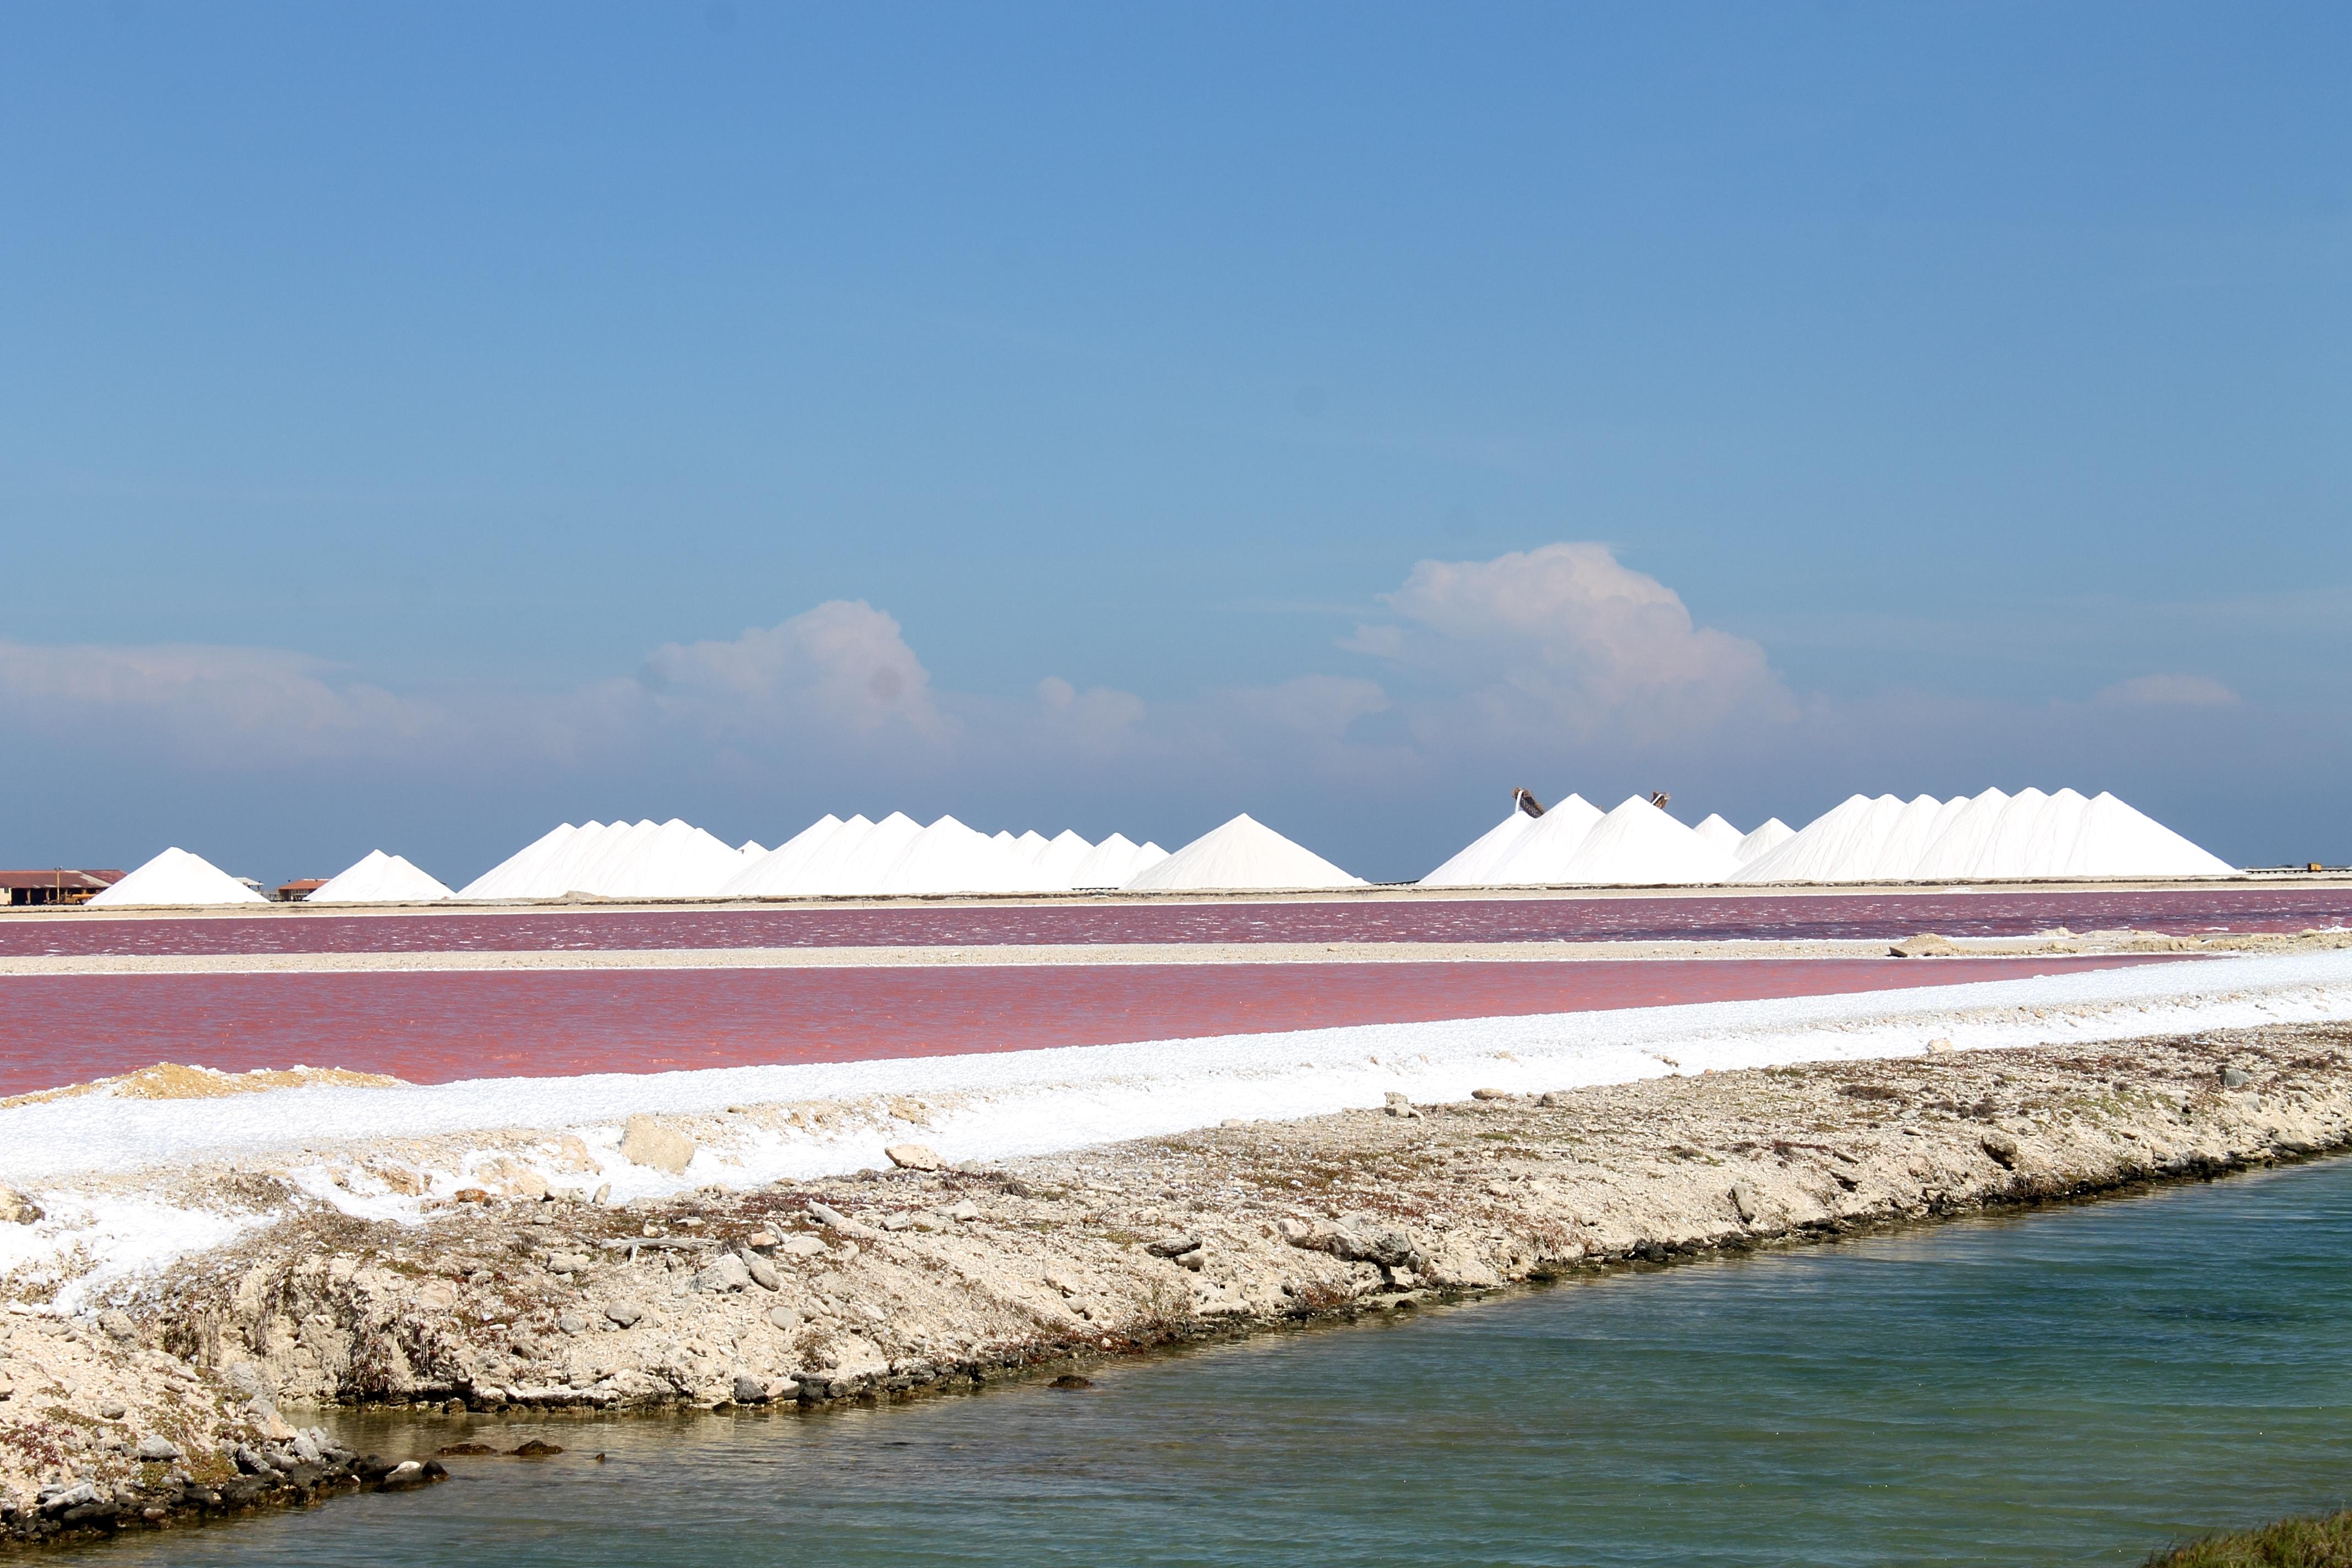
(887, 1282)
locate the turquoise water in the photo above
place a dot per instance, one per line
(2075, 1386)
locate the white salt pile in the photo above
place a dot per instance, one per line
(1992, 838)
(520, 866)
(1721, 833)
(1476, 863)
(176, 877)
(858, 871)
(675, 860)
(1058, 862)
(767, 875)
(1768, 837)
(1639, 845)
(377, 877)
(948, 857)
(750, 849)
(1242, 855)
(1542, 853)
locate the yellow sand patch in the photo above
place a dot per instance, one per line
(170, 1080)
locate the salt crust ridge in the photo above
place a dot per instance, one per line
(1007, 1104)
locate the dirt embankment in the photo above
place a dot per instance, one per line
(885, 1283)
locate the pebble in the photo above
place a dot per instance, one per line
(1490, 1094)
(749, 1390)
(784, 1318)
(568, 1263)
(2235, 1077)
(1173, 1247)
(912, 1157)
(157, 1449)
(1744, 1199)
(627, 1314)
(571, 1322)
(1398, 1105)
(2002, 1148)
(728, 1274)
(119, 1326)
(112, 1410)
(965, 1210)
(762, 1272)
(646, 1141)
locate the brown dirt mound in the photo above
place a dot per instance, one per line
(171, 1080)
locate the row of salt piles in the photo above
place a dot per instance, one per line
(1636, 844)
(1991, 836)
(645, 859)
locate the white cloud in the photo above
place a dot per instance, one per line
(843, 665)
(1565, 636)
(2168, 691)
(219, 705)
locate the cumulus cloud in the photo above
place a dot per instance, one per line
(1566, 637)
(2168, 691)
(215, 704)
(843, 665)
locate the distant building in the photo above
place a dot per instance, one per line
(294, 893)
(55, 887)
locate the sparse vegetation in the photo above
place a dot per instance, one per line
(2321, 1542)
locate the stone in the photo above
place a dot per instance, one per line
(1556, 1098)
(57, 1498)
(1398, 1105)
(760, 1241)
(155, 1449)
(568, 1262)
(1490, 1094)
(8, 1389)
(112, 1410)
(1071, 1380)
(1744, 1200)
(749, 1390)
(2235, 1077)
(646, 1141)
(763, 1273)
(1173, 1247)
(2002, 1148)
(728, 1274)
(912, 1157)
(473, 1196)
(624, 1314)
(535, 1449)
(801, 1246)
(118, 1327)
(830, 1217)
(784, 1318)
(16, 1208)
(1191, 1260)
(571, 1322)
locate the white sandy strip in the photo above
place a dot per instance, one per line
(1010, 1103)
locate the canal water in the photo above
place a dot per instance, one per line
(2079, 1386)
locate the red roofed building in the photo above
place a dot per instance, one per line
(55, 887)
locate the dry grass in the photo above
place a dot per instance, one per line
(2325, 1543)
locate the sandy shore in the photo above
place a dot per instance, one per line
(886, 1283)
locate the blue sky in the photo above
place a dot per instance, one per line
(405, 415)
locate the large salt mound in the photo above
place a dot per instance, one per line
(1639, 845)
(2114, 840)
(1769, 837)
(675, 860)
(1957, 848)
(948, 857)
(499, 881)
(1721, 833)
(1477, 863)
(1825, 847)
(860, 872)
(1542, 853)
(1058, 862)
(377, 877)
(1245, 854)
(824, 861)
(767, 873)
(176, 877)
(1108, 864)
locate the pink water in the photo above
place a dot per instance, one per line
(1566, 918)
(437, 1027)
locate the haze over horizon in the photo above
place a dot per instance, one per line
(414, 434)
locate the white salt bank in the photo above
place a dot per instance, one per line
(377, 877)
(1245, 854)
(1721, 833)
(519, 867)
(1540, 854)
(177, 878)
(1477, 863)
(1639, 845)
(1769, 837)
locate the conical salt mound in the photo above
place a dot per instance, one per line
(501, 880)
(1245, 854)
(1475, 865)
(1830, 845)
(1639, 845)
(177, 878)
(379, 879)
(1769, 837)
(1059, 861)
(750, 849)
(1108, 864)
(766, 874)
(1720, 834)
(675, 860)
(948, 857)
(860, 872)
(2114, 840)
(1541, 853)
(1963, 840)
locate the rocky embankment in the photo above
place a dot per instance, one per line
(884, 1283)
